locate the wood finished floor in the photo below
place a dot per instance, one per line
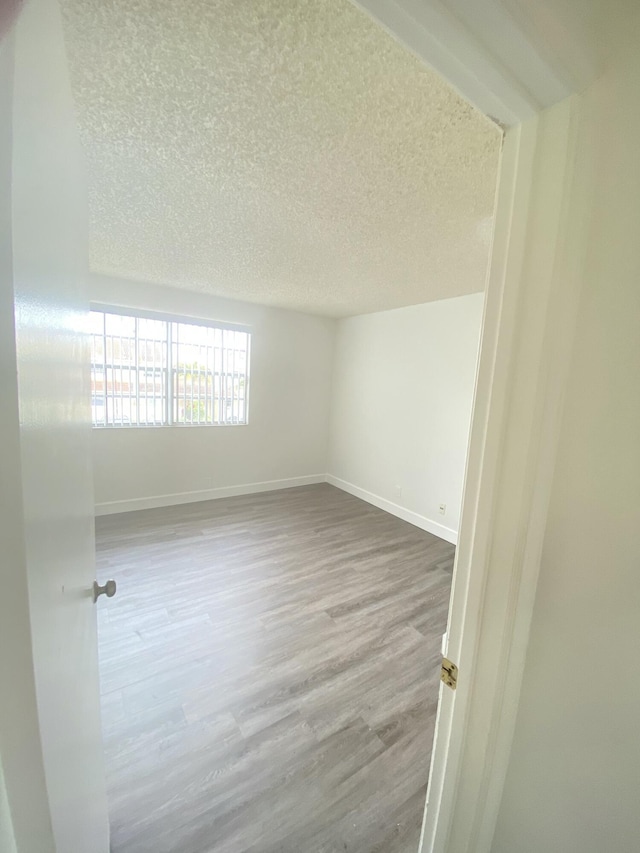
(269, 672)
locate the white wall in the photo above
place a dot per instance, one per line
(379, 401)
(285, 442)
(401, 408)
(573, 779)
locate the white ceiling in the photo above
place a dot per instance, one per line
(510, 58)
(287, 152)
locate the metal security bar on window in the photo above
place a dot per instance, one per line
(128, 370)
(210, 371)
(153, 372)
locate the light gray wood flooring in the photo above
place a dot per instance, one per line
(269, 672)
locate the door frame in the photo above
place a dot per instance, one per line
(531, 306)
(528, 328)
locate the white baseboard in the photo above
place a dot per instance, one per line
(154, 501)
(414, 518)
(132, 504)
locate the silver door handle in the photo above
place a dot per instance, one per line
(109, 589)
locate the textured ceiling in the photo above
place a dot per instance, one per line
(288, 152)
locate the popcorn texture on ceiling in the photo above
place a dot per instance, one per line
(287, 152)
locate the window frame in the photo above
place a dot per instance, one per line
(169, 318)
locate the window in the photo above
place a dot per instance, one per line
(152, 371)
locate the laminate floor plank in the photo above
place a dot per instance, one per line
(269, 674)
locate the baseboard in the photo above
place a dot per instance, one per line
(154, 501)
(414, 518)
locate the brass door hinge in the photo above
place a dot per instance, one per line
(449, 673)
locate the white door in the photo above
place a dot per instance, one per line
(49, 224)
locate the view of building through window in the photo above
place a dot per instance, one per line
(156, 372)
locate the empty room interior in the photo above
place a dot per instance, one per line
(290, 223)
(319, 469)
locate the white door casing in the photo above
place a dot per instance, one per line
(513, 61)
(532, 300)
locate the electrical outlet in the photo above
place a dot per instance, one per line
(397, 492)
(442, 508)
